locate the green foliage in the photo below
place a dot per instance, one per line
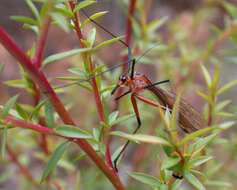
(72, 131)
(142, 138)
(60, 56)
(93, 17)
(52, 163)
(49, 115)
(83, 4)
(189, 48)
(4, 142)
(8, 106)
(194, 181)
(147, 179)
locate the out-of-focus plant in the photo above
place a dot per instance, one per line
(166, 158)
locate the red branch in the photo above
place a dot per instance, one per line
(87, 58)
(49, 131)
(41, 42)
(131, 10)
(40, 79)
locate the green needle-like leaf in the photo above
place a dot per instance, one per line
(63, 55)
(9, 105)
(56, 156)
(72, 132)
(142, 138)
(83, 4)
(194, 181)
(146, 179)
(4, 142)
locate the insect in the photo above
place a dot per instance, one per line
(189, 119)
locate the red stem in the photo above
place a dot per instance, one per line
(43, 138)
(36, 74)
(109, 172)
(41, 42)
(96, 93)
(37, 60)
(131, 10)
(40, 79)
(87, 58)
(23, 124)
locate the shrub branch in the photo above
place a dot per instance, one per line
(41, 80)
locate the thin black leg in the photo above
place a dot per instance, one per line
(124, 94)
(125, 145)
(133, 66)
(157, 83)
(134, 103)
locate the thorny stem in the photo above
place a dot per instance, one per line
(41, 80)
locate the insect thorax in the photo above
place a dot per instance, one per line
(139, 81)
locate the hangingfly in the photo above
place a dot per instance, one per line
(189, 119)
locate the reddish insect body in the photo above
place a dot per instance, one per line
(189, 119)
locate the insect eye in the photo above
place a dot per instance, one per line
(123, 78)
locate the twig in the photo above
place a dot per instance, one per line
(39, 78)
(87, 59)
(131, 10)
(41, 42)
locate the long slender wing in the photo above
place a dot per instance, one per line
(190, 119)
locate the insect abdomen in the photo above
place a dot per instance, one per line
(190, 120)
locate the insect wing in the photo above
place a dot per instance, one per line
(190, 119)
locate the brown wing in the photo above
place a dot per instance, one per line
(190, 119)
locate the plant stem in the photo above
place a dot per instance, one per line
(87, 59)
(40, 79)
(128, 38)
(41, 42)
(113, 177)
(37, 60)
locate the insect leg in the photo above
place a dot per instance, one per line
(134, 103)
(124, 94)
(157, 83)
(133, 66)
(150, 102)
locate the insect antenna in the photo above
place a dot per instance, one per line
(90, 77)
(145, 52)
(133, 61)
(113, 35)
(132, 69)
(157, 83)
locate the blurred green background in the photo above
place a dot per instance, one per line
(193, 33)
